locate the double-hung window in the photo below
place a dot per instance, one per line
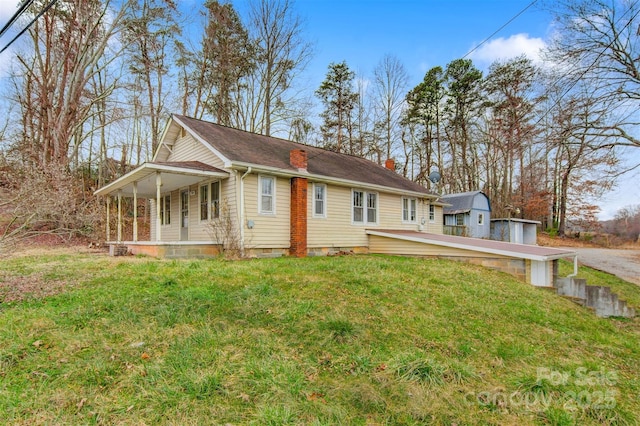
(215, 200)
(267, 192)
(372, 207)
(165, 210)
(409, 210)
(432, 213)
(364, 207)
(210, 201)
(204, 202)
(319, 200)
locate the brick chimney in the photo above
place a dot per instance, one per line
(298, 159)
(298, 216)
(390, 164)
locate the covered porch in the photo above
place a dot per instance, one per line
(152, 181)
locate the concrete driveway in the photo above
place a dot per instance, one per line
(621, 263)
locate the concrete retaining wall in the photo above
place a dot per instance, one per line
(600, 298)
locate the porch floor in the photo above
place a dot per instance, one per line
(168, 249)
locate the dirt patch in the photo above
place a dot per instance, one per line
(18, 288)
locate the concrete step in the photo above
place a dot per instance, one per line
(577, 300)
(599, 298)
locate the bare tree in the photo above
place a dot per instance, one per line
(281, 53)
(598, 42)
(390, 84)
(69, 45)
(581, 167)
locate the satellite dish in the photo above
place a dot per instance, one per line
(434, 176)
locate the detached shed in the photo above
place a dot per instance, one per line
(519, 231)
(468, 214)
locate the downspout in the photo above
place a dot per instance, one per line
(242, 209)
(575, 267)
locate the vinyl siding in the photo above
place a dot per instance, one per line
(203, 230)
(167, 232)
(434, 227)
(385, 245)
(269, 231)
(337, 229)
(198, 230)
(189, 149)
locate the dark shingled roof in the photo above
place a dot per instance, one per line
(460, 203)
(244, 147)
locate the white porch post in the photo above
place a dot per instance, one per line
(135, 211)
(108, 224)
(158, 219)
(119, 216)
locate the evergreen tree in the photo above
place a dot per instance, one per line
(339, 100)
(227, 57)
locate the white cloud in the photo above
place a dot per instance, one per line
(508, 48)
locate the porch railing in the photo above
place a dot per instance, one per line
(459, 231)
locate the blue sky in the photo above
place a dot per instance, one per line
(421, 34)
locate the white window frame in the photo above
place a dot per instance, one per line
(204, 203)
(261, 179)
(432, 213)
(212, 205)
(165, 219)
(375, 208)
(322, 214)
(409, 205)
(365, 207)
(480, 219)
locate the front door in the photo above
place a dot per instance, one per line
(184, 215)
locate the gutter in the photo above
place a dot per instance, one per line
(331, 180)
(575, 266)
(242, 209)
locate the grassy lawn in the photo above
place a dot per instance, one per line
(362, 340)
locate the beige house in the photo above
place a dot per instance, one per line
(211, 186)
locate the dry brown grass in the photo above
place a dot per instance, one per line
(546, 240)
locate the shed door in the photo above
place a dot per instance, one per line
(184, 215)
(540, 273)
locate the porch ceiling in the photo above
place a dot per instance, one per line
(173, 176)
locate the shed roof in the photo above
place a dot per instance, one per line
(461, 202)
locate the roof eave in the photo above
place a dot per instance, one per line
(328, 179)
(506, 253)
(143, 171)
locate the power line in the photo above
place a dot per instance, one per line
(16, 16)
(500, 29)
(51, 3)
